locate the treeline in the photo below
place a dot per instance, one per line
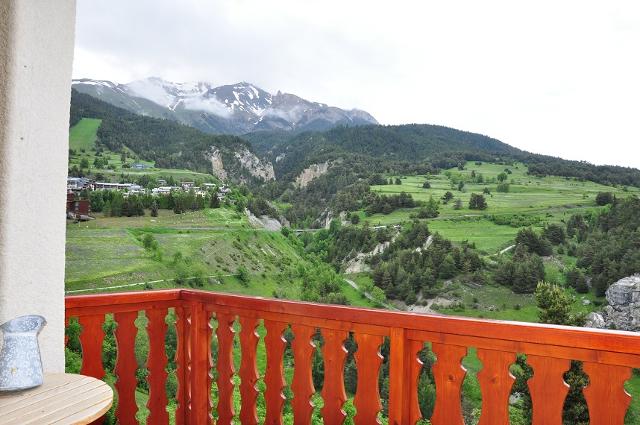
(114, 203)
(540, 165)
(386, 204)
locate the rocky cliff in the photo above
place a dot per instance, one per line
(623, 311)
(310, 173)
(255, 166)
(217, 166)
(243, 163)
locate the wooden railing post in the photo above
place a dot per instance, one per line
(399, 396)
(182, 360)
(200, 394)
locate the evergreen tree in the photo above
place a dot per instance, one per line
(154, 208)
(477, 202)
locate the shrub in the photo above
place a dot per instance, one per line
(502, 188)
(604, 198)
(243, 275)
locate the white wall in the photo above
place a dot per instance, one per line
(36, 53)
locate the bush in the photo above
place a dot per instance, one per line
(604, 198)
(502, 188)
(243, 275)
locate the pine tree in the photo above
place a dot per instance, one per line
(154, 209)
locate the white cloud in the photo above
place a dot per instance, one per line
(210, 105)
(552, 77)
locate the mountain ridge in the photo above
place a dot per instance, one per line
(227, 109)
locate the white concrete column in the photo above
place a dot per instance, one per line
(36, 55)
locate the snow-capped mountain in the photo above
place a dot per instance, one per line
(235, 109)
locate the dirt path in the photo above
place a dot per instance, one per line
(130, 285)
(507, 249)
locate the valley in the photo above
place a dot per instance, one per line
(442, 221)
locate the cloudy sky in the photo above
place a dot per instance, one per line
(560, 78)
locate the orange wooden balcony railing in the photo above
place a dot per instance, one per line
(608, 358)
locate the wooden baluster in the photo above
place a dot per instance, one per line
(302, 385)
(226, 370)
(548, 389)
(495, 383)
(415, 367)
(275, 345)
(181, 359)
(208, 338)
(199, 360)
(248, 371)
(606, 397)
(333, 393)
(156, 365)
(368, 361)
(404, 370)
(188, 366)
(91, 340)
(448, 374)
(126, 365)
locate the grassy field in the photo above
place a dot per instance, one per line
(107, 254)
(546, 199)
(83, 135)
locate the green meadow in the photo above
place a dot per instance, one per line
(84, 134)
(541, 199)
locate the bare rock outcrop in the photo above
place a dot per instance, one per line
(247, 161)
(358, 264)
(263, 222)
(312, 172)
(217, 166)
(255, 166)
(623, 311)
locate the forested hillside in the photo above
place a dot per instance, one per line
(435, 146)
(167, 143)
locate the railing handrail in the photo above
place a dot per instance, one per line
(536, 333)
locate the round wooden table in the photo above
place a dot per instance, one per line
(64, 398)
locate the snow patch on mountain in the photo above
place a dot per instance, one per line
(243, 107)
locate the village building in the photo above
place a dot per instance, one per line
(78, 184)
(78, 209)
